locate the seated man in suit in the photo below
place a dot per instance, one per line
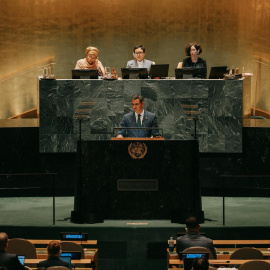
(8, 261)
(139, 61)
(200, 264)
(193, 237)
(138, 118)
(54, 251)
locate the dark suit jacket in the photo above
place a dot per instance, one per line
(129, 120)
(53, 261)
(200, 64)
(10, 261)
(194, 239)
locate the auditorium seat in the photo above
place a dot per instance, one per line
(58, 268)
(255, 265)
(70, 246)
(200, 249)
(246, 254)
(22, 247)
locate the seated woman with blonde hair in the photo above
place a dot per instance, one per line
(91, 61)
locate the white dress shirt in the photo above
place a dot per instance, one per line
(141, 114)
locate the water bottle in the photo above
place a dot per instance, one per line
(171, 244)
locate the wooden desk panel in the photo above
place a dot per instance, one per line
(217, 262)
(30, 262)
(46, 242)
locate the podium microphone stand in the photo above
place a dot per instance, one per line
(82, 113)
(193, 113)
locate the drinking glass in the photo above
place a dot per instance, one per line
(108, 72)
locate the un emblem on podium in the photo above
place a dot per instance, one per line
(137, 150)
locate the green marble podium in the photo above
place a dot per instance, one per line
(218, 105)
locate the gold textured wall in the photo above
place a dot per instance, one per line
(37, 32)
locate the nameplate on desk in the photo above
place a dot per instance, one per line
(137, 184)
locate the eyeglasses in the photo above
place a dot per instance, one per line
(139, 53)
(91, 57)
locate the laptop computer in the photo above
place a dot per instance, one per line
(84, 74)
(189, 73)
(66, 259)
(217, 72)
(21, 259)
(134, 73)
(189, 257)
(159, 71)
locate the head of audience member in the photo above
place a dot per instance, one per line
(137, 104)
(91, 55)
(193, 49)
(3, 241)
(139, 52)
(192, 224)
(200, 264)
(54, 248)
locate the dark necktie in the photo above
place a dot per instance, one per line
(139, 121)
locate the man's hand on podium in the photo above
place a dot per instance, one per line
(119, 136)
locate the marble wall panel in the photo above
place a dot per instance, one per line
(215, 104)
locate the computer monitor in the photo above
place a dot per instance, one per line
(75, 255)
(134, 73)
(84, 74)
(159, 71)
(217, 72)
(188, 258)
(21, 259)
(66, 259)
(190, 73)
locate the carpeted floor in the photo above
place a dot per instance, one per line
(37, 211)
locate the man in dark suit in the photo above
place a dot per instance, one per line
(54, 251)
(193, 238)
(138, 118)
(8, 261)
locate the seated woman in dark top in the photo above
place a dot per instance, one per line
(192, 50)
